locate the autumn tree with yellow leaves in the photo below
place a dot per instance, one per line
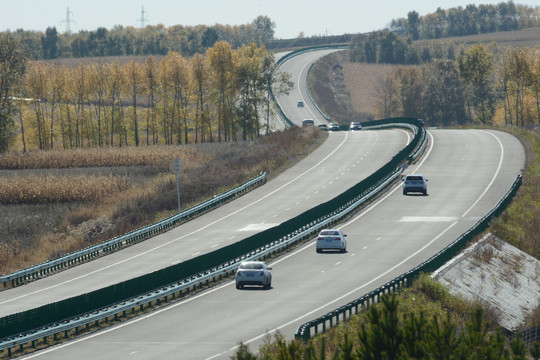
(217, 96)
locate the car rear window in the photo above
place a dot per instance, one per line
(414, 178)
(251, 266)
(327, 232)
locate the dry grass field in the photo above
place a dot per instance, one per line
(527, 37)
(362, 81)
(60, 201)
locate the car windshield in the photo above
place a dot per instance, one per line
(414, 178)
(329, 232)
(251, 266)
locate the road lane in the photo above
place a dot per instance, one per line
(469, 170)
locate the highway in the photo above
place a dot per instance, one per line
(298, 66)
(341, 161)
(468, 172)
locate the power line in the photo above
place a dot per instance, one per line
(68, 21)
(143, 19)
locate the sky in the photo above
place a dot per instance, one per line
(291, 17)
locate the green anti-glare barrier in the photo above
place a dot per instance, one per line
(89, 302)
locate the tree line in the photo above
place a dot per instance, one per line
(215, 96)
(406, 42)
(477, 88)
(150, 40)
(471, 20)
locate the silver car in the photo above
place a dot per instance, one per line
(331, 239)
(355, 125)
(333, 127)
(253, 273)
(414, 183)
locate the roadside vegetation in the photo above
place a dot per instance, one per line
(422, 322)
(519, 225)
(59, 207)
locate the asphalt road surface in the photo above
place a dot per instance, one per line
(468, 172)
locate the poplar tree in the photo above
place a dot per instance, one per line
(475, 68)
(13, 65)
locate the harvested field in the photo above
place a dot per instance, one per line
(60, 201)
(361, 81)
(527, 37)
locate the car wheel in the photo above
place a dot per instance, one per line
(343, 250)
(238, 286)
(319, 251)
(404, 192)
(424, 192)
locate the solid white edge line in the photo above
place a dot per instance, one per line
(494, 175)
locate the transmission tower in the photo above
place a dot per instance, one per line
(143, 19)
(68, 21)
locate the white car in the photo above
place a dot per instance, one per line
(331, 239)
(333, 127)
(253, 273)
(355, 125)
(414, 183)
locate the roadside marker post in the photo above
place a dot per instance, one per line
(175, 166)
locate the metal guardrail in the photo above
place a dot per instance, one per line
(206, 276)
(36, 271)
(307, 330)
(187, 283)
(529, 336)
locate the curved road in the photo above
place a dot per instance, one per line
(468, 172)
(341, 161)
(298, 66)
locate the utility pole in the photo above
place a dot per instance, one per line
(143, 19)
(68, 21)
